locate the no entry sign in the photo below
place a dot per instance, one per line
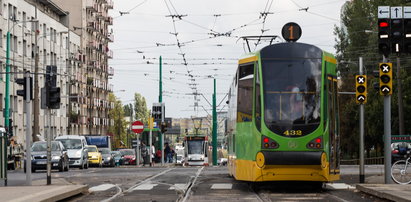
(137, 126)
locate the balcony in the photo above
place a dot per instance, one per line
(110, 54)
(91, 6)
(110, 4)
(109, 20)
(111, 71)
(110, 37)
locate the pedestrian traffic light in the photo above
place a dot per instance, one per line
(385, 78)
(156, 112)
(407, 35)
(163, 127)
(397, 33)
(361, 89)
(22, 81)
(384, 36)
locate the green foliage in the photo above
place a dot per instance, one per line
(352, 42)
(141, 112)
(120, 125)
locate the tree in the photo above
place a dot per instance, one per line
(352, 41)
(140, 108)
(120, 125)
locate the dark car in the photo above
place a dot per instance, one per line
(128, 156)
(108, 158)
(117, 158)
(59, 158)
(400, 151)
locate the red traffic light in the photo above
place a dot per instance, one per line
(383, 24)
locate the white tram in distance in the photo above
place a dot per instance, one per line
(196, 150)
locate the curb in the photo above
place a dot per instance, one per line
(382, 192)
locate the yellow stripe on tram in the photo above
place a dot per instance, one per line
(247, 60)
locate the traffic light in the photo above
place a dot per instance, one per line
(385, 78)
(384, 36)
(53, 97)
(361, 89)
(407, 35)
(397, 33)
(52, 92)
(22, 81)
(10, 127)
(163, 127)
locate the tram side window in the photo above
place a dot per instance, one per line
(257, 101)
(245, 93)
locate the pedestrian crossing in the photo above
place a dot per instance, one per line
(216, 186)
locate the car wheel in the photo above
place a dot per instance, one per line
(82, 166)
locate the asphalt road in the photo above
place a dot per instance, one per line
(130, 183)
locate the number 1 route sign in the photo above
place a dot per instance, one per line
(137, 127)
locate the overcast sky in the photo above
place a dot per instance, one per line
(207, 34)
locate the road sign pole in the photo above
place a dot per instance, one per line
(138, 149)
(387, 136)
(361, 130)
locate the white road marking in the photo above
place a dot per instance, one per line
(145, 187)
(102, 187)
(179, 187)
(222, 186)
(337, 186)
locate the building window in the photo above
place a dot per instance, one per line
(24, 19)
(44, 57)
(1, 37)
(1, 102)
(15, 44)
(24, 48)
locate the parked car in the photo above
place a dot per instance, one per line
(400, 151)
(76, 150)
(59, 157)
(128, 156)
(108, 159)
(117, 158)
(94, 156)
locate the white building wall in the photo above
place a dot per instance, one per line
(52, 42)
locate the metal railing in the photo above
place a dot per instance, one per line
(367, 161)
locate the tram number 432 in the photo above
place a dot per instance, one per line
(293, 133)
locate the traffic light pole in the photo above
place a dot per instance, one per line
(28, 128)
(362, 176)
(387, 136)
(214, 137)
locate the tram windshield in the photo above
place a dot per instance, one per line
(195, 147)
(292, 95)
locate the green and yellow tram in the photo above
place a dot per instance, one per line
(283, 115)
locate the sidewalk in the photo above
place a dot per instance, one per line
(39, 191)
(374, 185)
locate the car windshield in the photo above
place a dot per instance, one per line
(42, 146)
(116, 153)
(92, 149)
(105, 151)
(71, 143)
(127, 152)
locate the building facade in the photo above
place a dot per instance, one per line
(90, 20)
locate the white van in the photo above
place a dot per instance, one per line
(76, 146)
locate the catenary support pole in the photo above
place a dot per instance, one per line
(362, 178)
(214, 125)
(400, 102)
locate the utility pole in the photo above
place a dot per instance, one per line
(160, 97)
(362, 176)
(400, 102)
(27, 100)
(214, 125)
(387, 136)
(36, 110)
(160, 100)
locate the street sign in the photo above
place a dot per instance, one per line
(383, 12)
(396, 12)
(137, 127)
(407, 12)
(400, 138)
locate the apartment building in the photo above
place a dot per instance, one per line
(90, 20)
(32, 22)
